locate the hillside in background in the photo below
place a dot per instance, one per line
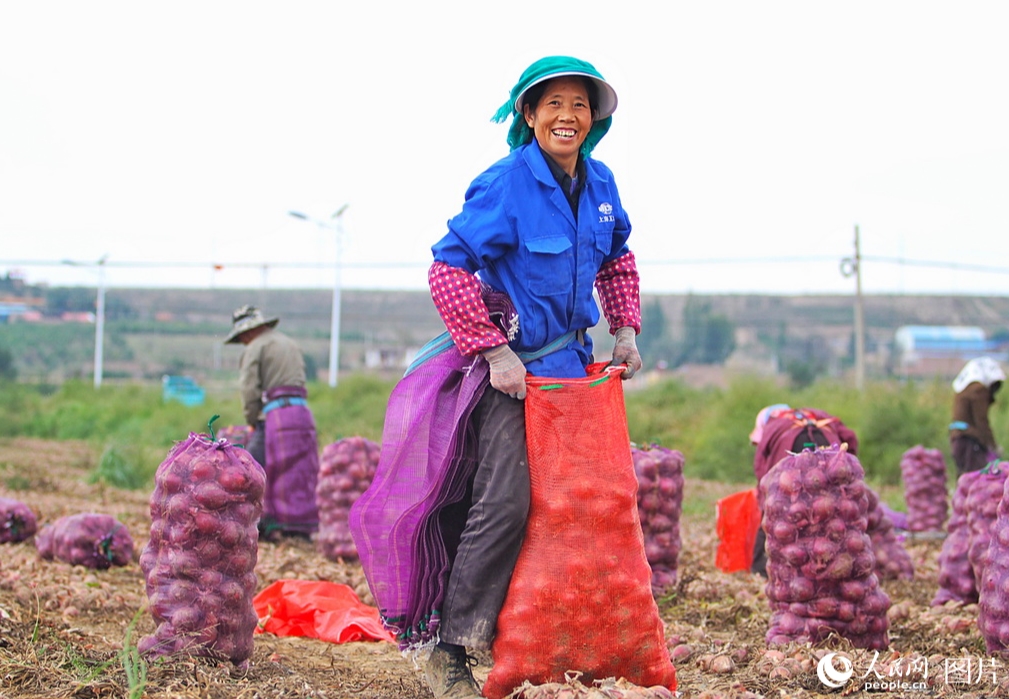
(150, 332)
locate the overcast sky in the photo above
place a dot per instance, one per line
(751, 138)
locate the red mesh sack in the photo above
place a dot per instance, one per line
(580, 597)
(87, 539)
(993, 593)
(238, 435)
(17, 521)
(737, 519)
(346, 469)
(821, 570)
(199, 563)
(660, 504)
(956, 576)
(924, 474)
(982, 503)
(893, 562)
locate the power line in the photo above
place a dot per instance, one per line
(642, 262)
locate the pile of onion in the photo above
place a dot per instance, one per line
(199, 563)
(17, 521)
(346, 470)
(87, 539)
(660, 504)
(821, 575)
(956, 576)
(982, 504)
(924, 474)
(892, 560)
(993, 591)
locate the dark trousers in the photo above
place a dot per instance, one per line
(257, 444)
(491, 519)
(968, 454)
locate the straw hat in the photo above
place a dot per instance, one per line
(247, 318)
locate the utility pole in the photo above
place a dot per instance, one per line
(853, 267)
(859, 319)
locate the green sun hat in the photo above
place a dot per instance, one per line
(548, 68)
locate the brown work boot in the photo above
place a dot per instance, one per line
(449, 676)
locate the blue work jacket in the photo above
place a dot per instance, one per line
(517, 232)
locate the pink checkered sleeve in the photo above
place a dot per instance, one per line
(619, 295)
(456, 295)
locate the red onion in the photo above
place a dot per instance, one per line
(199, 561)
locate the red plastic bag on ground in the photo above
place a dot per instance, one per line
(317, 609)
(580, 598)
(737, 519)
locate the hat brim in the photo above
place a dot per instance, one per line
(607, 96)
(233, 336)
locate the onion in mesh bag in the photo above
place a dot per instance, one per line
(199, 563)
(660, 503)
(236, 434)
(346, 469)
(892, 560)
(17, 521)
(982, 503)
(924, 474)
(820, 563)
(87, 539)
(956, 575)
(993, 592)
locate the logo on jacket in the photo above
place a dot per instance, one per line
(606, 211)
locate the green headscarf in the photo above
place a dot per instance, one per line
(519, 133)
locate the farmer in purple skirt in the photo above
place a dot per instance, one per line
(440, 529)
(283, 441)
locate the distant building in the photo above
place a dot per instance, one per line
(20, 308)
(942, 350)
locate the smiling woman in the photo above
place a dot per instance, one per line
(539, 232)
(560, 115)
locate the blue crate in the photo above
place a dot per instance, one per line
(182, 389)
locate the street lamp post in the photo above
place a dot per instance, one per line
(99, 315)
(335, 223)
(100, 322)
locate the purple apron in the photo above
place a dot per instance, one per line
(292, 462)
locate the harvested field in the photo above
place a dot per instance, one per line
(63, 629)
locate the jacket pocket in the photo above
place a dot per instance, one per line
(550, 265)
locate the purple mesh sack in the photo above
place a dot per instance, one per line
(660, 504)
(17, 521)
(924, 474)
(892, 560)
(199, 563)
(993, 594)
(956, 576)
(88, 539)
(236, 434)
(425, 463)
(982, 503)
(346, 470)
(821, 575)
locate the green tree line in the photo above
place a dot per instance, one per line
(133, 428)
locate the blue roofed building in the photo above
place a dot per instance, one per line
(942, 350)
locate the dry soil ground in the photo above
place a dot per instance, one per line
(63, 629)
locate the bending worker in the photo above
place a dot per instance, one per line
(780, 430)
(283, 441)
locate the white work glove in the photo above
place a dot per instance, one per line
(625, 351)
(507, 372)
